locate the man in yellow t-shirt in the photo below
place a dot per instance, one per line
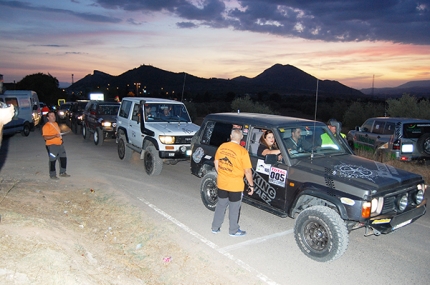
(232, 162)
(54, 145)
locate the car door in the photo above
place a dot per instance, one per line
(363, 138)
(134, 126)
(270, 180)
(378, 135)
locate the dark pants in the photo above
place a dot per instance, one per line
(233, 201)
(55, 152)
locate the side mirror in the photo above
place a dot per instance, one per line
(271, 159)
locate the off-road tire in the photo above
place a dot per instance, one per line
(321, 234)
(85, 132)
(98, 137)
(74, 127)
(209, 190)
(423, 144)
(151, 160)
(26, 130)
(124, 152)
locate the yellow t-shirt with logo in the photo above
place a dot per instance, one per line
(233, 159)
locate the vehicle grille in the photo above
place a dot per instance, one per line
(389, 204)
(183, 140)
(390, 201)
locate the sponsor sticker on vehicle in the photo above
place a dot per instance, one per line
(277, 176)
(381, 221)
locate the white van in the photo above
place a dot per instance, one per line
(27, 107)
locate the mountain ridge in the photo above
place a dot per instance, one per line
(282, 79)
(419, 87)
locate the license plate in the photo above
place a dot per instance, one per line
(402, 224)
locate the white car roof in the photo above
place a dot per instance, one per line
(150, 100)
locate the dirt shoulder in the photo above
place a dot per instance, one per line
(55, 233)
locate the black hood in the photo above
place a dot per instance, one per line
(360, 172)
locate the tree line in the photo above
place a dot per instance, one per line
(351, 112)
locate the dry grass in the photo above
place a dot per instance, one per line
(87, 236)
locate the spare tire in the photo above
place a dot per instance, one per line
(423, 144)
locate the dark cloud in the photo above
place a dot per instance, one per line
(86, 16)
(133, 22)
(403, 21)
(49, 45)
(186, 25)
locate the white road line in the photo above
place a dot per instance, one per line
(255, 241)
(239, 262)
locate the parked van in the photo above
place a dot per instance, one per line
(27, 107)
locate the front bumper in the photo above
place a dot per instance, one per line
(185, 153)
(389, 224)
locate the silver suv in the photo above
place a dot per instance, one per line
(404, 139)
(160, 130)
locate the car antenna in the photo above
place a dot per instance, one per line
(315, 119)
(183, 87)
(182, 99)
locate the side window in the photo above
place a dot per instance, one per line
(93, 107)
(124, 111)
(367, 126)
(255, 141)
(378, 127)
(12, 101)
(135, 115)
(216, 133)
(389, 128)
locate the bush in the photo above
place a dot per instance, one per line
(246, 105)
(408, 106)
(359, 112)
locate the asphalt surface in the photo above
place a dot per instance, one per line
(268, 251)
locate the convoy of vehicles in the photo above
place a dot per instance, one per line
(326, 188)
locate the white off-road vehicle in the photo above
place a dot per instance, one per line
(159, 129)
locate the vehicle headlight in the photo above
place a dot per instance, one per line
(419, 197)
(106, 124)
(61, 113)
(167, 139)
(372, 208)
(402, 202)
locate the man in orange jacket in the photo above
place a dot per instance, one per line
(54, 145)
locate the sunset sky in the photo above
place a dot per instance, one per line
(345, 40)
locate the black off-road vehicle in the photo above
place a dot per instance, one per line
(99, 120)
(323, 185)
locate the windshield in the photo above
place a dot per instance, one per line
(166, 113)
(108, 109)
(307, 140)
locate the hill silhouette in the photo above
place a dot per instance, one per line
(418, 88)
(281, 79)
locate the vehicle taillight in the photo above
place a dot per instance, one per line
(396, 144)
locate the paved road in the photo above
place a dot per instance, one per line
(268, 252)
